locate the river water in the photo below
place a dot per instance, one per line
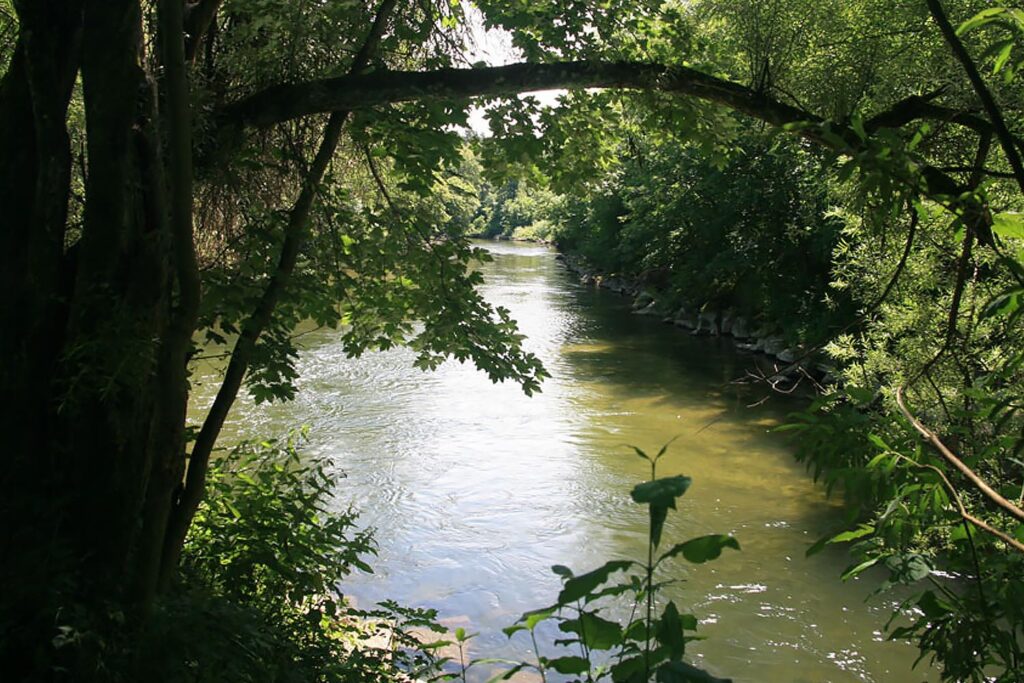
(476, 490)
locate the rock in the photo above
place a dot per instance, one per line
(649, 309)
(615, 284)
(682, 318)
(725, 323)
(643, 300)
(745, 346)
(740, 328)
(773, 346)
(706, 323)
(789, 355)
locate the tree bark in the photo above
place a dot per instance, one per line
(118, 306)
(168, 461)
(34, 190)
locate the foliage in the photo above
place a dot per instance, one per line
(751, 232)
(139, 226)
(260, 596)
(945, 343)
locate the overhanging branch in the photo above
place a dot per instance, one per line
(290, 101)
(360, 91)
(285, 102)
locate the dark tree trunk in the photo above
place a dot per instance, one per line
(83, 329)
(34, 282)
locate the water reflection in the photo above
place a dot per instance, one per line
(476, 489)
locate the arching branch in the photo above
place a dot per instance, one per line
(354, 92)
(289, 101)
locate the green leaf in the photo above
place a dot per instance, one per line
(670, 632)
(660, 495)
(594, 631)
(980, 19)
(1009, 224)
(661, 492)
(909, 568)
(681, 672)
(580, 586)
(1006, 304)
(664, 448)
(817, 547)
(628, 669)
(529, 620)
(860, 532)
(504, 675)
(569, 665)
(858, 568)
(857, 123)
(658, 514)
(641, 453)
(933, 606)
(701, 549)
(513, 629)
(1002, 57)
(860, 394)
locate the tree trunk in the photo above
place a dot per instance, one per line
(34, 190)
(84, 328)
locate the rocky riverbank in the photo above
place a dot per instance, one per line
(788, 364)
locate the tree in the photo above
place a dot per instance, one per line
(179, 102)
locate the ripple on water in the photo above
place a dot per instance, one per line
(476, 490)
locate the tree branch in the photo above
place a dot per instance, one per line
(252, 328)
(917, 107)
(976, 481)
(991, 108)
(354, 92)
(199, 17)
(288, 101)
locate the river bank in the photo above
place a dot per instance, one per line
(788, 364)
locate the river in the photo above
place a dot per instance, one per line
(476, 490)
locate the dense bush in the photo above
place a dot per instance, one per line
(260, 595)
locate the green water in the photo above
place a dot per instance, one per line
(476, 490)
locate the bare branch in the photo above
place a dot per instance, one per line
(976, 481)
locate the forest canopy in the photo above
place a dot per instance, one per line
(205, 175)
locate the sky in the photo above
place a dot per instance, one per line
(494, 47)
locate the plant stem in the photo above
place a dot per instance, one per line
(536, 651)
(650, 586)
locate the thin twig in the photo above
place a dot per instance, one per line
(956, 462)
(962, 509)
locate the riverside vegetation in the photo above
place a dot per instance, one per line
(213, 173)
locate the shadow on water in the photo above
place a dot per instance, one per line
(476, 490)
